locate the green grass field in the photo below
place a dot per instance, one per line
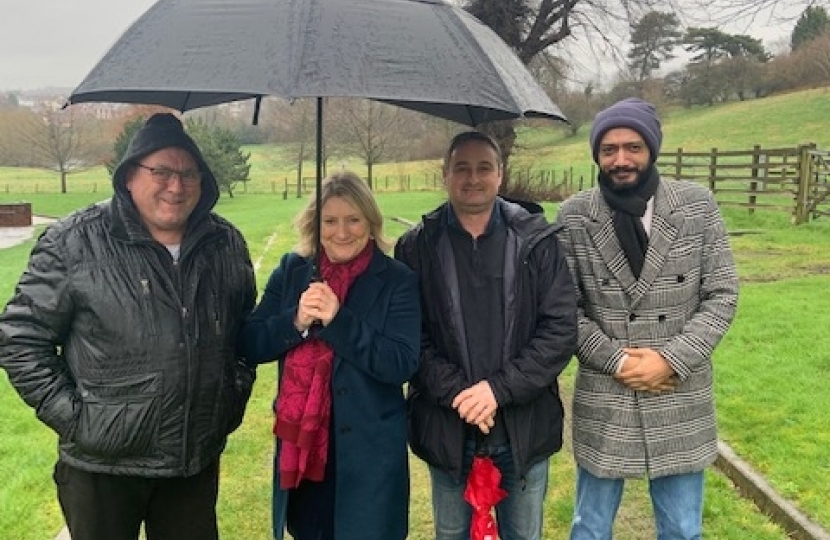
(770, 369)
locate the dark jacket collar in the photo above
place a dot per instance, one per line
(517, 219)
(126, 223)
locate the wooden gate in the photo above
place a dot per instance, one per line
(814, 189)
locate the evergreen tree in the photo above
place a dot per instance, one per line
(221, 149)
(814, 21)
(653, 38)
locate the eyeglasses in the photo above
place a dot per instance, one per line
(163, 175)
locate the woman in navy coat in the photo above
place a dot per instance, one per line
(345, 346)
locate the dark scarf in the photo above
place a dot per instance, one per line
(303, 408)
(629, 206)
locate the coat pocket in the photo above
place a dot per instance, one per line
(120, 417)
(241, 385)
(436, 434)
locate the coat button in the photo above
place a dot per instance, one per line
(681, 278)
(632, 317)
(661, 318)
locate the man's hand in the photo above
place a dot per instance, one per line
(477, 405)
(646, 370)
(487, 425)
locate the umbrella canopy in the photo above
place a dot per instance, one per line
(423, 55)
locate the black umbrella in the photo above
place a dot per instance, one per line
(423, 55)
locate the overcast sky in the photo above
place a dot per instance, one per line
(57, 42)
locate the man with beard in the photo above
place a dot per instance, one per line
(656, 291)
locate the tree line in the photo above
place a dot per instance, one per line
(721, 67)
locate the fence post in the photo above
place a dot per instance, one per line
(753, 184)
(805, 171)
(678, 164)
(713, 168)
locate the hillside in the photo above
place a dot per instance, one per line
(776, 121)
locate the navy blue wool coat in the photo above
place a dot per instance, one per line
(375, 336)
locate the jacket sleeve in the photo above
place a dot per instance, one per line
(718, 296)
(248, 302)
(438, 379)
(32, 328)
(552, 332)
(268, 332)
(389, 353)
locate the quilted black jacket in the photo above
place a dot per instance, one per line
(127, 355)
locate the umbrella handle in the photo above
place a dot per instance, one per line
(480, 439)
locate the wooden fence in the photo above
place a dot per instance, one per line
(794, 179)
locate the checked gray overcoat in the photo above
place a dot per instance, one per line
(681, 306)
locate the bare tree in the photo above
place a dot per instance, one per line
(14, 152)
(370, 127)
(806, 67)
(302, 118)
(722, 12)
(59, 140)
(579, 106)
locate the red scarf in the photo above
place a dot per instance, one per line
(303, 409)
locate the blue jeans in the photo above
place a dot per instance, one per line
(677, 502)
(519, 515)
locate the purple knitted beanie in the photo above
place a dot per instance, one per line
(632, 113)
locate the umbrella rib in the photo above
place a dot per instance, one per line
(185, 102)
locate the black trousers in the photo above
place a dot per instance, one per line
(111, 507)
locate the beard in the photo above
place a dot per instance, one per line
(606, 178)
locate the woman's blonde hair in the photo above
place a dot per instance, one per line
(349, 186)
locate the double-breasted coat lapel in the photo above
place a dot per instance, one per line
(665, 224)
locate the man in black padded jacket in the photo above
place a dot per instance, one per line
(499, 326)
(121, 336)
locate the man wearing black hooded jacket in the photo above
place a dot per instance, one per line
(121, 335)
(499, 326)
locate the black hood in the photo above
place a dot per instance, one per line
(164, 130)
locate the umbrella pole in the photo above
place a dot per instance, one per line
(318, 189)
